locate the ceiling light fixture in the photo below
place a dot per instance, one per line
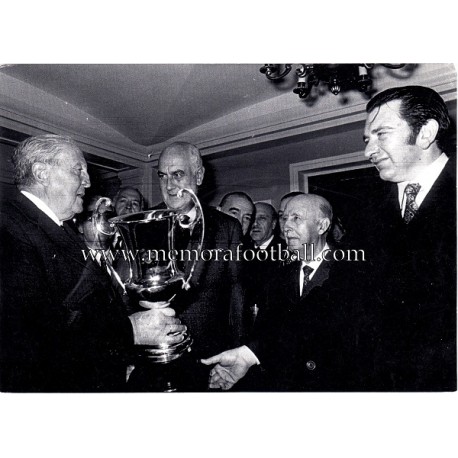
(338, 77)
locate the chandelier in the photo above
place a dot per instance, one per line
(338, 77)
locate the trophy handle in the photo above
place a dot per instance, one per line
(200, 215)
(99, 219)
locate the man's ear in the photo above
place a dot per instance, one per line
(323, 225)
(200, 175)
(427, 134)
(274, 224)
(40, 172)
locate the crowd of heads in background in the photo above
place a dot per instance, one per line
(418, 113)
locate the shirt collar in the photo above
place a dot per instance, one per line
(42, 206)
(316, 262)
(192, 215)
(425, 179)
(266, 243)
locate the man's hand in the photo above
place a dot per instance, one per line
(157, 325)
(231, 366)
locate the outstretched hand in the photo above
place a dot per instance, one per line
(230, 367)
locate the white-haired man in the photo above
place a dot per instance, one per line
(62, 324)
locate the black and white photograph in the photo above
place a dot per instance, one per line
(273, 227)
(224, 256)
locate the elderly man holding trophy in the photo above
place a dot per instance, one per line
(63, 326)
(169, 269)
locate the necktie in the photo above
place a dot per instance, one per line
(117, 245)
(183, 236)
(114, 276)
(307, 272)
(411, 209)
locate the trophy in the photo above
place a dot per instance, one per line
(150, 239)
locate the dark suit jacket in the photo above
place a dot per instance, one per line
(258, 274)
(62, 326)
(301, 341)
(410, 291)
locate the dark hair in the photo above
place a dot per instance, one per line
(241, 194)
(131, 188)
(418, 105)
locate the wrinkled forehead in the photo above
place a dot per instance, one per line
(284, 202)
(302, 205)
(264, 210)
(70, 155)
(129, 194)
(174, 160)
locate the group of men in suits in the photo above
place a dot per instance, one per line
(387, 322)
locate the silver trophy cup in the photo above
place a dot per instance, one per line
(151, 246)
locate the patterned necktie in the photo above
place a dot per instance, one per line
(307, 272)
(411, 209)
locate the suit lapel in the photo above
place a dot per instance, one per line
(64, 239)
(438, 195)
(290, 282)
(321, 275)
(391, 208)
(193, 245)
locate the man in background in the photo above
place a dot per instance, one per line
(99, 243)
(262, 231)
(239, 205)
(128, 200)
(299, 341)
(267, 247)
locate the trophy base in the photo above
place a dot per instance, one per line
(162, 354)
(159, 367)
(184, 374)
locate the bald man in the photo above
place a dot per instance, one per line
(239, 205)
(281, 209)
(213, 306)
(298, 340)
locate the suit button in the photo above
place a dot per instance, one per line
(310, 365)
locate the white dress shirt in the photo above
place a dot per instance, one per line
(42, 206)
(265, 244)
(246, 352)
(425, 179)
(314, 264)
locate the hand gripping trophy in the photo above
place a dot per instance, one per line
(150, 241)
